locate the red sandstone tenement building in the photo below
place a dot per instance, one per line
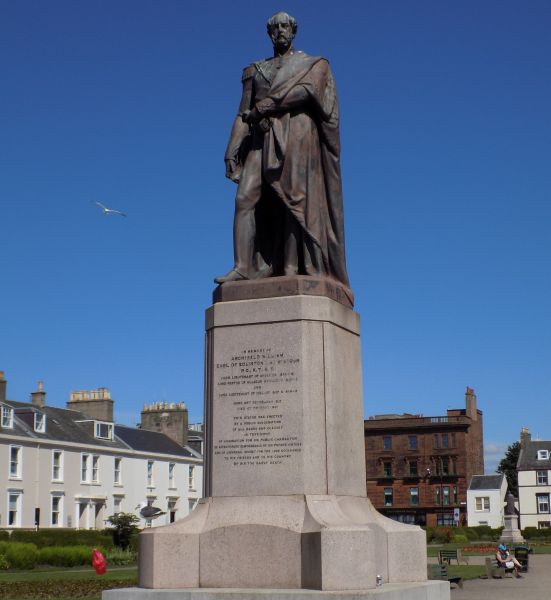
(418, 468)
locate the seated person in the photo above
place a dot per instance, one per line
(505, 560)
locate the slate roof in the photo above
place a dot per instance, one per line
(528, 457)
(486, 482)
(67, 425)
(62, 424)
(152, 441)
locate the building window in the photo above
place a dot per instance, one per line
(455, 499)
(388, 497)
(438, 496)
(453, 440)
(15, 462)
(117, 480)
(436, 444)
(150, 473)
(445, 465)
(104, 431)
(7, 417)
(56, 512)
(542, 477)
(117, 502)
(95, 468)
(543, 454)
(544, 524)
(171, 467)
(57, 465)
(387, 469)
(84, 476)
(482, 503)
(387, 442)
(14, 509)
(412, 442)
(39, 422)
(191, 482)
(444, 440)
(413, 468)
(446, 496)
(414, 496)
(543, 503)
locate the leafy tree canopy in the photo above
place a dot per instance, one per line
(508, 466)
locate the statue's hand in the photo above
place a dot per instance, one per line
(251, 116)
(231, 169)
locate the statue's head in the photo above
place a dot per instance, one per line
(282, 28)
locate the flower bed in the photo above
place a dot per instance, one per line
(479, 549)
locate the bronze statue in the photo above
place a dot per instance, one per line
(284, 153)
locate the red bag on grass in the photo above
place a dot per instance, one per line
(98, 562)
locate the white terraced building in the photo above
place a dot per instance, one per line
(62, 467)
(534, 482)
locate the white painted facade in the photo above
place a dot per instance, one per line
(534, 491)
(486, 506)
(79, 487)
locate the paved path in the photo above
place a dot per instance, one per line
(535, 585)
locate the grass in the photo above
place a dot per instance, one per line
(466, 571)
(79, 573)
(63, 584)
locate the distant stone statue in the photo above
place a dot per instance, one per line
(284, 153)
(510, 504)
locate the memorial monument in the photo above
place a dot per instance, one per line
(285, 510)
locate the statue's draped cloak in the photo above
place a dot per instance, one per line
(301, 154)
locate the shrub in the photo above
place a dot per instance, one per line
(471, 534)
(4, 534)
(64, 556)
(124, 527)
(460, 539)
(4, 564)
(21, 555)
(443, 535)
(117, 557)
(3, 546)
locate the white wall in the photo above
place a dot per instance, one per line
(492, 517)
(528, 490)
(93, 502)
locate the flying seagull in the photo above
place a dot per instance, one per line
(110, 211)
(149, 512)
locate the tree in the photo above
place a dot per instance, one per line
(124, 526)
(508, 466)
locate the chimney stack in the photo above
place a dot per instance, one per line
(95, 404)
(525, 437)
(38, 398)
(470, 404)
(3, 386)
(168, 418)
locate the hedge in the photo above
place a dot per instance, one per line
(63, 537)
(531, 533)
(21, 556)
(444, 535)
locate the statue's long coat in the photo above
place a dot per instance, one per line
(301, 156)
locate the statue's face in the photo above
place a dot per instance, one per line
(281, 33)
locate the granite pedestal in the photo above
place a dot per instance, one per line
(285, 504)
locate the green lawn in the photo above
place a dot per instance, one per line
(466, 571)
(63, 584)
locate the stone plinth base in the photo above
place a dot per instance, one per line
(285, 488)
(310, 542)
(428, 590)
(511, 533)
(275, 287)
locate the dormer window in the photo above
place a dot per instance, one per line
(543, 454)
(7, 417)
(40, 422)
(104, 431)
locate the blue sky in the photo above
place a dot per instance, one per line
(446, 136)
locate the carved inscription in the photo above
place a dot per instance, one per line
(256, 389)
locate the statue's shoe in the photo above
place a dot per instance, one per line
(233, 275)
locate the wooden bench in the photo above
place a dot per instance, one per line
(494, 570)
(446, 556)
(440, 571)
